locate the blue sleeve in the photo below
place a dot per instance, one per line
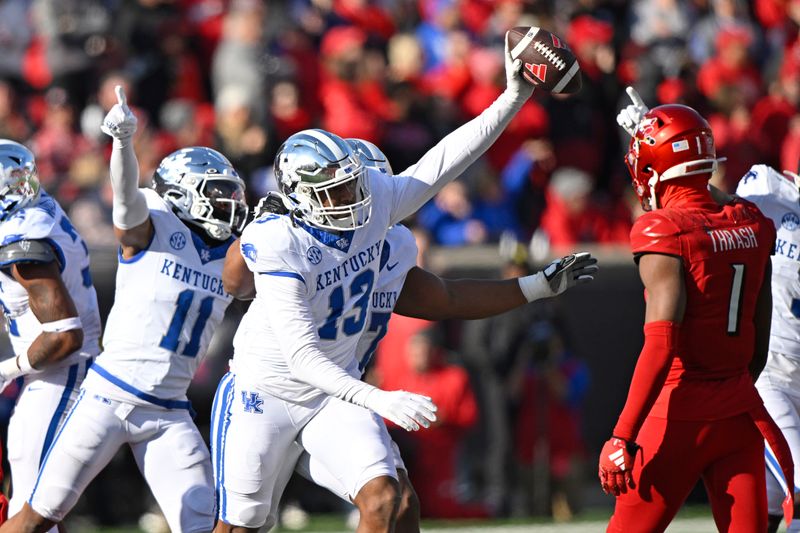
(516, 172)
(578, 385)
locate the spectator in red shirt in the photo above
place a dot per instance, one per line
(433, 452)
(771, 116)
(730, 71)
(571, 217)
(549, 419)
(344, 111)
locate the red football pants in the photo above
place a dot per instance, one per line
(728, 454)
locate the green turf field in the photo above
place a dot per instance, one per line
(689, 520)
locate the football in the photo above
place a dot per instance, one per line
(547, 61)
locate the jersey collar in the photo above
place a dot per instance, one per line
(208, 253)
(340, 241)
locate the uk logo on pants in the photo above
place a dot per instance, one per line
(252, 402)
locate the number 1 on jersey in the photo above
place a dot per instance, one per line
(737, 289)
(171, 339)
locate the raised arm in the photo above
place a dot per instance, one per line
(427, 296)
(237, 279)
(130, 214)
(458, 150)
(52, 305)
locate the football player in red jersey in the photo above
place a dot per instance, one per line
(692, 409)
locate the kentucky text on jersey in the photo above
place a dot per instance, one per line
(733, 239)
(789, 251)
(192, 277)
(384, 300)
(350, 265)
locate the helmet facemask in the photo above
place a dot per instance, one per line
(342, 203)
(19, 180)
(324, 180)
(213, 201)
(671, 141)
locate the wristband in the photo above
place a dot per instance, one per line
(535, 287)
(65, 324)
(9, 369)
(24, 364)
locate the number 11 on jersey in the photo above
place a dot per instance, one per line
(171, 339)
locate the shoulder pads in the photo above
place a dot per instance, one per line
(25, 251)
(655, 232)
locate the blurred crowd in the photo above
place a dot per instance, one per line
(242, 75)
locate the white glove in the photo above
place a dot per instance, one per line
(632, 114)
(120, 122)
(515, 83)
(406, 409)
(559, 276)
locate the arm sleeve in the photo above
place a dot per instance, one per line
(451, 157)
(129, 207)
(515, 174)
(660, 341)
(291, 319)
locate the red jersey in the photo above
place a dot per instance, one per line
(724, 250)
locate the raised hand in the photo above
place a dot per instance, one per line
(632, 114)
(514, 80)
(120, 122)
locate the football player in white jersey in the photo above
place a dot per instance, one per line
(169, 300)
(425, 296)
(778, 197)
(50, 310)
(315, 270)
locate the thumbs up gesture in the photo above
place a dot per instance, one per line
(120, 122)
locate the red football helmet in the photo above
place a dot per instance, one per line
(671, 141)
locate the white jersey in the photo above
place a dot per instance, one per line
(779, 199)
(168, 302)
(46, 221)
(399, 255)
(339, 271)
(317, 331)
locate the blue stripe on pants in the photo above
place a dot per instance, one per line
(44, 462)
(222, 424)
(216, 423)
(72, 377)
(775, 469)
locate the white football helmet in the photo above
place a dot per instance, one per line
(203, 189)
(324, 180)
(371, 155)
(19, 181)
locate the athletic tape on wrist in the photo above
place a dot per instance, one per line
(9, 369)
(534, 287)
(24, 364)
(65, 324)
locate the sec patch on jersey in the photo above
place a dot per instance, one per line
(547, 61)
